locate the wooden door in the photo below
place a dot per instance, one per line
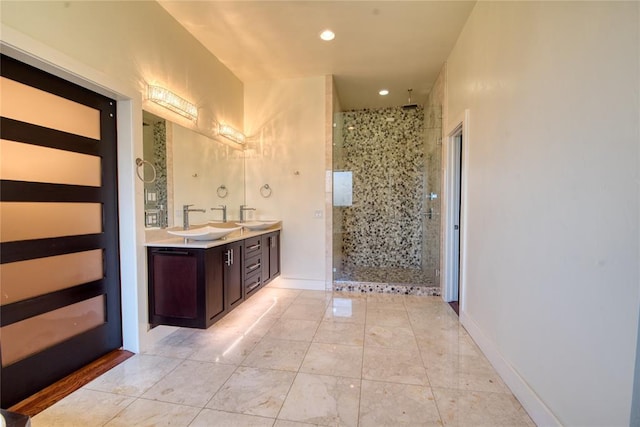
(59, 261)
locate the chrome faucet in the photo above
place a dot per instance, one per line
(222, 208)
(185, 215)
(242, 209)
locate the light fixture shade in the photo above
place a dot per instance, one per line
(232, 134)
(171, 101)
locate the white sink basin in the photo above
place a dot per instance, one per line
(257, 225)
(204, 233)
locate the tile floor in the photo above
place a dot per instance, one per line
(288, 358)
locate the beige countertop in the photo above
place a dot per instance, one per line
(162, 239)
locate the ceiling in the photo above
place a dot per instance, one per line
(395, 45)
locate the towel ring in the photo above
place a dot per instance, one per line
(140, 164)
(265, 191)
(222, 191)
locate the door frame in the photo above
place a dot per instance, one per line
(450, 262)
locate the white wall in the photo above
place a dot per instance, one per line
(285, 124)
(120, 46)
(551, 281)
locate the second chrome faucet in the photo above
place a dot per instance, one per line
(244, 208)
(222, 208)
(185, 215)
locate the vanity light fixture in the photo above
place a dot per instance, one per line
(384, 92)
(171, 101)
(232, 134)
(327, 35)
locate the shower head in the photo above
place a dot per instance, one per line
(409, 105)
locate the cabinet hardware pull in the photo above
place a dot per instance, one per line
(254, 266)
(171, 252)
(252, 247)
(252, 286)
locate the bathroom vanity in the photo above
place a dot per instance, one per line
(196, 283)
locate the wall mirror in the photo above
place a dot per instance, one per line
(190, 168)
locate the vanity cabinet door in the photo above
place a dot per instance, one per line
(174, 294)
(233, 257)
(274, 255)
(214, 273)
(271, 256)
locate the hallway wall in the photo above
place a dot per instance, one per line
(551, 276)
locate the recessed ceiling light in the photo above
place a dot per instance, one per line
(384, 92)
(327, 35)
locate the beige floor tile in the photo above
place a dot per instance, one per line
(175, 351)
(388, 317)
(80, 409)
(446, 343)
(389, 337)
(333, 359)
(135, 375)
(149, 413)
(394, 365)
(192, 383)
(271, 290)
(293, 330)
(307, 296)
(399, 344)
(388, 404)
(332, 332)
(213, 418)
(236, 324)
(285, 423)
(277, 354)
(253, 391)
(421, 302)
(464, 373)
(322, 399)
(226, 351)
(305, 311)
(385, 301)
(469, 408)
(346, 310)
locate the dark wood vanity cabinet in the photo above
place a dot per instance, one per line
(197, 287)
(193, 287)
(182, 290)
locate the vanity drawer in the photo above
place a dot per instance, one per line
(253, 265)
(252, 247)
(253, 282)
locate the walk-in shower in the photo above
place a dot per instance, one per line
(386, 222)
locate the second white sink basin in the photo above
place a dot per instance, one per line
(204, 233)
(257, 225)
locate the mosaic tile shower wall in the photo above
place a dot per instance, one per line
(155, 151)
(160, 160)
(384, 150)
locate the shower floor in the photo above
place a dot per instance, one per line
(407, 281)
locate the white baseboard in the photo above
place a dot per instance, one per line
(537, 410)
(308, 285)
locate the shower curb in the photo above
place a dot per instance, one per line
(386, 288)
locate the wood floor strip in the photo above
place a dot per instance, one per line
(40, 401)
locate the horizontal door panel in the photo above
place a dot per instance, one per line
(28, 104)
